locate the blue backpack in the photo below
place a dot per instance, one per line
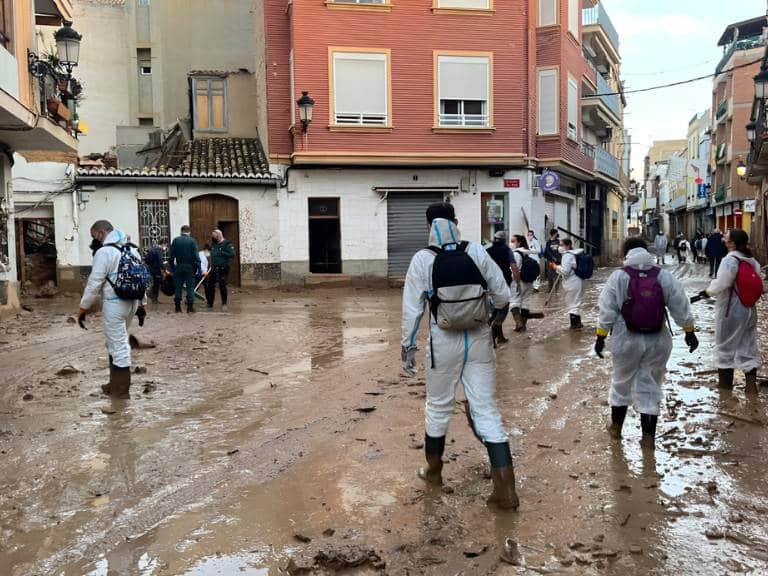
(584, 266)
(132, 276)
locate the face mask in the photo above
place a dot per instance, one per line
(562, 249)
(95, 245)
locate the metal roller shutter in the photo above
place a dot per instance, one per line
(406, 228)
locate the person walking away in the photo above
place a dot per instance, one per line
(535, 248)
(184, 259)
(716, 249)
(155, 261)
(683, 248)
(524, 272)
(676, 246)
(222, 252)
(501, 254)
(574, 286)
(460, 349)
(552, 254)
(737, 288)
(660, 244)
(633, 307)
(695, 249)
(116, 312)
(703, 250)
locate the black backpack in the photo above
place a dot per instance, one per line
(529, 268)
(584, 266)
(459, 298)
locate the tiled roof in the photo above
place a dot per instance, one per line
(235, 158)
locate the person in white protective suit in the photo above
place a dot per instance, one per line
(735, 324)
(454, 357)
(640, 358)
(535, 247)
(573, 285)
(116, 313)
(660, 243)
(521, 291)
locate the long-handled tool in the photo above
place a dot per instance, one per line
(579, 238)
(551, 292)
(199, 283)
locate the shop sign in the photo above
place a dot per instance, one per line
(727, 210)
(549, 181)
(511, 182)
(749, 206)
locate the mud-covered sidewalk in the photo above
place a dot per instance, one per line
(281, 438)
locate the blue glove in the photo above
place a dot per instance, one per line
(408, 357)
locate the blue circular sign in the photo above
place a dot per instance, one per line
(549, 181)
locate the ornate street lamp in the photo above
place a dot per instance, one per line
(761, 84)
(751, 128)
(68, 47)
(306, 104)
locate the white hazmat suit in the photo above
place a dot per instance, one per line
(116, 313)
(521, 291)
(735, 324)
(573, 285)
(454, 357)
(639, 360)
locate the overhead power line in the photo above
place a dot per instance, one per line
(679, 83)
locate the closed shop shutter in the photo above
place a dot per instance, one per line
(549, 214)
(406, 228)
(562, 213)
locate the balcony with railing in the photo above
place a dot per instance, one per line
(606, 97)
(606, 163)
(758, 152)
(747, 43)
(597, 16)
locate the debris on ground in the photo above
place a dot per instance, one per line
(68, 370)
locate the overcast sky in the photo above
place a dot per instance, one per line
(665, 41)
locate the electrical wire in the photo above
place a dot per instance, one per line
(679, 83)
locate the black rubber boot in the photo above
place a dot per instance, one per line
(524, 315)
(576, 322)
(177, 307)
(751, 379)
(121, 382)
(648, 426)
(725, 378)
(503, 476)
(190, 308)
(618, 414)
(518, 319)
(433, 451)
(107, 388)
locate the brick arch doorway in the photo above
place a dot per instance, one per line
(211, 211)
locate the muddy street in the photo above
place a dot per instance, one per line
(281, 437)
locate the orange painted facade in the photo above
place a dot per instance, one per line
(412, 33)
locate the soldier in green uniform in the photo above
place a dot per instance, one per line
(184, 261)
(222, 253)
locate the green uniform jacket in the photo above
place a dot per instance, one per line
(222, 253)
(184, 252)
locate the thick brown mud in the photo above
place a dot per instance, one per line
(281, 438)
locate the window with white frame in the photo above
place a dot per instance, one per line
(547, 12)
(471, 4)
(360, 1)
(547, 105)
(574, 7)
(361, 88)
(573, 109)
(464, 90)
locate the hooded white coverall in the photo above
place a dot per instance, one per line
(573, 285)
(660, 243)
(736, 333)
(459, 356)
(640, 360)
(116, 314)
(521, 291)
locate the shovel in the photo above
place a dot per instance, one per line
(551, 292)
(198, 285)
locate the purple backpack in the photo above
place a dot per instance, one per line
(644, 310)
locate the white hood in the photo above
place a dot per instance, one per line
(116, 237)
(639, 258)
(443, 232)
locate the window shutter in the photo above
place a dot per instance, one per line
(360, 83)
(463, 78)
(573, 16)
(477, 4)
(547, 12)
(201, 105)
(573, 108)
(548, 101)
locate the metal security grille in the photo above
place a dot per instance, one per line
(153, 223)
(407, 231)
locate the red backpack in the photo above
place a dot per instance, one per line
(748, 285)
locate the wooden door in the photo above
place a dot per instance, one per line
(212, 211)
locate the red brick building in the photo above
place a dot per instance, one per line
(423, 100)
